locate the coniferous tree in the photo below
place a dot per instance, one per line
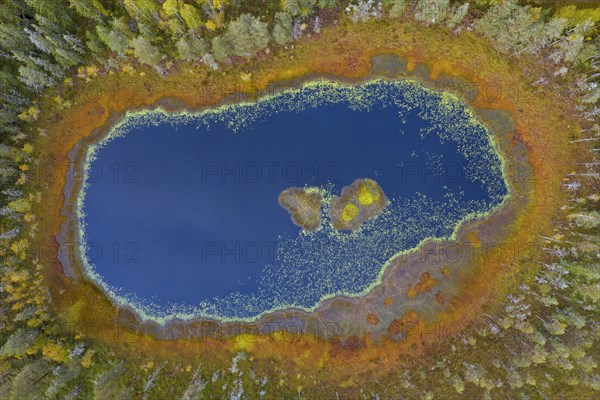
(327, 3)
(432, 11)
(292, 7)
(191, 16)
(95, 45)
(92, 9)
(142, 10)
(30, 382)
(508, 13)
(457, 15)
(282, 30)
(33, 76)
(191, 47)
(397, 8)
(50, 38)
(116, 36)
(18, 343)
(299, 8)
(15, 39)
(248, 35)
(145, 51)
(222, 47)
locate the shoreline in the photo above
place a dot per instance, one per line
(103, 133)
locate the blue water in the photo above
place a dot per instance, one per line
(185, 217)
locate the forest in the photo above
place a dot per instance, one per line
(542, 343)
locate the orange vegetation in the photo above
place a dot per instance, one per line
(426, 282)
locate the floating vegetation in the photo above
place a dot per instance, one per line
(322, 263)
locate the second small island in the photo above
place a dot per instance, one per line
(359, 201)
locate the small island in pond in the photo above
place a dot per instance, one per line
(304, 205)
(359, 201)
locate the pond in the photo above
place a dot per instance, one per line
(180, 212)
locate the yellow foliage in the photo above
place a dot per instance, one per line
(86, 361)
(526, 328)
(191, 16)
(218, 19)
(245, 342)
(34, 322)
(366, 196)
(170, 7)
(22, 179)
(210, 25)
(28, 148)
(218, 4)
(350, 211)
(18, 276)
(20, 205)
(128, 69)
(54, 352)
(577, 16)
(535, 12)
(91, 70)
(19, 248)
(30, 115)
